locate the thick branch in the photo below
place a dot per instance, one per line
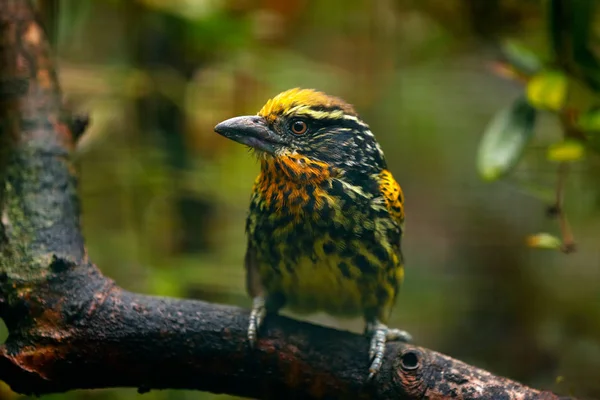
(102, 336)
(70, 327)
(40, 210)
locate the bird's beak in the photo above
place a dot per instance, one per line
(252, 131)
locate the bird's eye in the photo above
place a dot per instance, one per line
(298, 127)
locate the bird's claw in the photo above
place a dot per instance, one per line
(257, 315)
(380, 334)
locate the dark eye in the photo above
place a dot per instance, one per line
(298, 127)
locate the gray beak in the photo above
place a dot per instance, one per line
(252, 131)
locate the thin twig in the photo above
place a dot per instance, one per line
(558, 210)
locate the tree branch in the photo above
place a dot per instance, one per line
(71, 327)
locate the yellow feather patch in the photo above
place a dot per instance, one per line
(321, 286)
(392, 193)
(300, 101)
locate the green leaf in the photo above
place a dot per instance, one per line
(560, 32)
(573, 38)
(521, 58)
(566, 151)
(505, 139)
(544, 241)
(547, 90)
(589, 123)
(583, 14)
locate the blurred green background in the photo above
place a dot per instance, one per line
(165, 198)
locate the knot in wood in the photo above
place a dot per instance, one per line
(409, 372)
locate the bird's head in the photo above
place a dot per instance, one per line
(311, 124)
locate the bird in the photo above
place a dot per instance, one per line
(326, 216)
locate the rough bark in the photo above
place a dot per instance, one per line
(71, 327)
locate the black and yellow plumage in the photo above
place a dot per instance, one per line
(326, 215)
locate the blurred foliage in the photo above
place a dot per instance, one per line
(164, 198)
(565, 85)
(505, 139)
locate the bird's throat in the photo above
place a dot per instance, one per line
(296, 168)
(293, 182)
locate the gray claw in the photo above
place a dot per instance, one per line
(257, 316)
(380, 334)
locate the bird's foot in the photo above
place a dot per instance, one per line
(380, 334)
(257, 315)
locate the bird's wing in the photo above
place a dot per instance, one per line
(253, 284)
(393, 196)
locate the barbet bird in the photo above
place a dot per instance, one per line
(326, 215)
